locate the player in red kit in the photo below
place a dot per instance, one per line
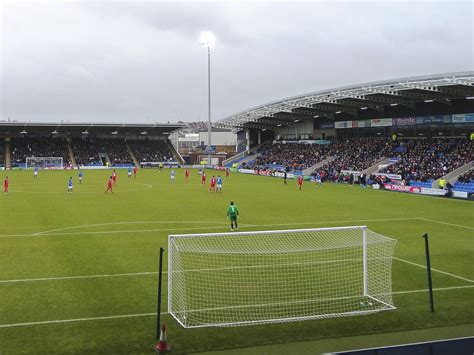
(203, 179)
(300, 182)
(109, 185)
(227, 173)
(5, 185)
(186, 174)
(114, 177)
(212, 187)
(135, 170)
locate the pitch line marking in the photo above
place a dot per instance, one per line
(51, 232)
(197, 270)
(446, 223)
(129, 222)
(11, 325)
(81, 277)
(108, 232)
(77, 191)
(436, 270)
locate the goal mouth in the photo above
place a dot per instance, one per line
(232, 279)
(44, 162)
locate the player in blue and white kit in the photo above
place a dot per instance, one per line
(69, 185)
(35, 173)
(172, 175)
(129, 172)
(318, 180)
(80, 176)
(219, 184)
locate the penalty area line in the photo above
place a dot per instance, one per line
(12, 325)
(435, 270)
(80, 277)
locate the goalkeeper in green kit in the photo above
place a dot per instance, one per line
(233, 215)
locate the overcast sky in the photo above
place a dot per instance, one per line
(141, 61)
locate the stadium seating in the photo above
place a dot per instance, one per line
(86, 151)
(424, 160)
(421, 183)
(293, 157)
(354, 155)
(2, 154)
(151, 151)
(24, 147)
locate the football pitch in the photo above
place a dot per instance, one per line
(78, 272)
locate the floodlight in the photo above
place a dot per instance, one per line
(207, 39)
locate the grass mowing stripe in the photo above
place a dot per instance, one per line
(164, 313)
(433, 269)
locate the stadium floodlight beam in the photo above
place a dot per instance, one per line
(207, 39)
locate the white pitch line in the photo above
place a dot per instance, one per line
(164, 313)
(435, 289)
(81, 277)
(35, 235)
(126, 222)
(446, 223)
(79, 320)
(51, 232)
(436, 270)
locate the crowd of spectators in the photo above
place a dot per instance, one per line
(87, 150)
(418, 159)
(21, 148)
(467, 177)
(291, 156)
(429, 159)
(2, 154)
(116, 151)
(151, 151)
(353, 155)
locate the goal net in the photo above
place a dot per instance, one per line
(226, 279)
(44, 162)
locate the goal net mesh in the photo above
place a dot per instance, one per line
(278, 276)
(44, 162)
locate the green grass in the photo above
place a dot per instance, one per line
(91, 233)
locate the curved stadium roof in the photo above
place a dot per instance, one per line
(344, 102)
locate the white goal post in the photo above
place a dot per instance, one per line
(227, 279)
(44, 162)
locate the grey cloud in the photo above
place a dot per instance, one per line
(134, 61)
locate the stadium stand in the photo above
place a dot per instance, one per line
(117, 152)
(37, 147)
(465, 182)
(420, 161)
(86, 151)
(151, 151)
(292, 157)
(354, 155)
(2, 153)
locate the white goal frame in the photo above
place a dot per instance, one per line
(43, 159)
(382, 298)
